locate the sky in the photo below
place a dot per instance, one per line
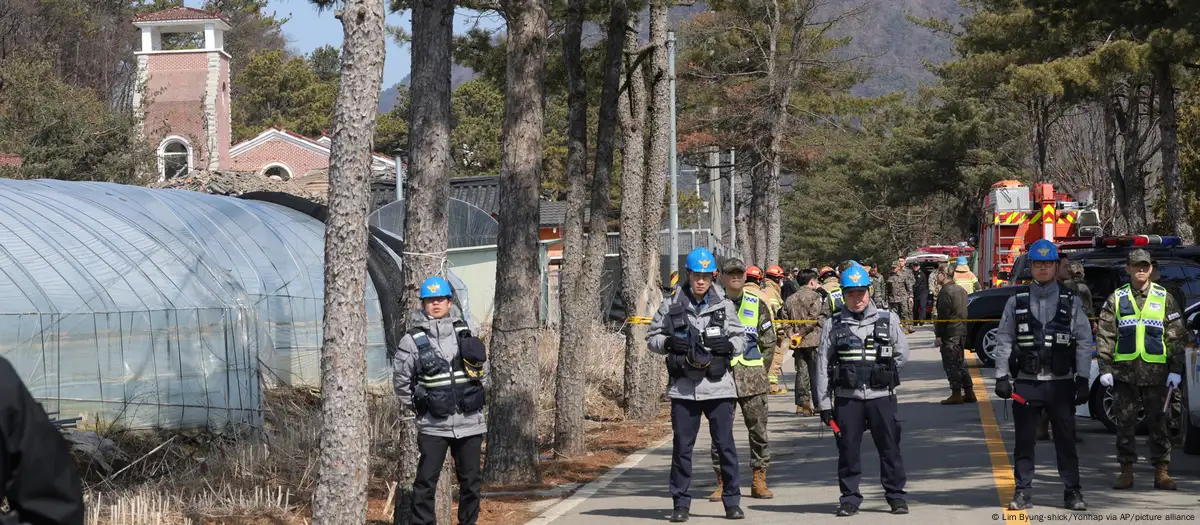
(307, 30)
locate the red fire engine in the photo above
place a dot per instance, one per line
(1014, 216)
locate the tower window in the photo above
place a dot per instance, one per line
(278, 170)
(175, 158)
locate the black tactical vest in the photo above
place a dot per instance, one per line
(444, 388)
(696, 362)
(861, 364)
(1044, 348)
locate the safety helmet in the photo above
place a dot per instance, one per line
(754, 272)
(1043, 250)
(701, 260)
(774, 271)
(435, 287)
(827, 272)
(855, 277)
(962, 261)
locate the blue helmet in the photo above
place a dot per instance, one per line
(962, 261)
(701, 260)
(855, 277)
(1043, 250)
(435, 287)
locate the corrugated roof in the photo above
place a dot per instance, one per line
(483, 192)
(180, 14)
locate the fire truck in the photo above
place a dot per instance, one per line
(1015, 215)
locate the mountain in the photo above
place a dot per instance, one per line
(892, 47)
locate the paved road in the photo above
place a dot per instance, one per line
(958, 460)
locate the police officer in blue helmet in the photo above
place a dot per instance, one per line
(1043, 355)
(440, 373)
(697, 328)
(861, 352)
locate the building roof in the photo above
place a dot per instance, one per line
(483, 192)
(180, 14)
(320, 146)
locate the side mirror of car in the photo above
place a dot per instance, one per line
(1193, 322)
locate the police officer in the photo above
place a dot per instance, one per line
(805, 304)
(832, 290)
(864, 350)
(1045, 342)
(698, 330)
(37, 476)
(951, 335)
(440, 372)
(749, 376)
(1140, 341)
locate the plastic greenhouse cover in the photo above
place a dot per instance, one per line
(469, 225)
(161, 308)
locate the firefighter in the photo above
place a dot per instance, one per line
(860, 355)
(698, 330)
(440, 372)
(1140, 341)
(964, 277)
(775, 275)
(749, 375)
(1047, 335)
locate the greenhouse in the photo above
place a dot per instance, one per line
(162, 308)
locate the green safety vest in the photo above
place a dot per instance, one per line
(1140, 333)
(835, 300)
(748, 315)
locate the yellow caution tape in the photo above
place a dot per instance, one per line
(646, 320)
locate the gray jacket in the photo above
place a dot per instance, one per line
(1043, 305)
(442, 336)
(656, 340)
(864, 328)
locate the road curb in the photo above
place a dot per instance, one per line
(561, 508)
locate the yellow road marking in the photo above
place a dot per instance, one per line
(1002, 470)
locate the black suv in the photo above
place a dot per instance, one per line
(1104, 270)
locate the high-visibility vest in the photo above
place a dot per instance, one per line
(748, 314)
(835, 301)
(1140, 332)
(966, 280)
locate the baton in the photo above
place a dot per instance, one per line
(1017, 397)
(837, 431)
(1167, 403)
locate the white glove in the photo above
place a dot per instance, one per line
(1173, 379)
(1106, 380)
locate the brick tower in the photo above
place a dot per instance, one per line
(183, 90)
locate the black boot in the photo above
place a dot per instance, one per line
(899, 506)
(680, 515)
(1073, 500)
(734, 513)
(1021, 500)
(847, 509)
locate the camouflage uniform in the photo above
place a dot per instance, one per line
(952, 304)
(935, 285)
(899, 295)
(752, 387)
(805, 304)
(1140, 385)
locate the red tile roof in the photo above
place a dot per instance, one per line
(10, 160)
(175, 14)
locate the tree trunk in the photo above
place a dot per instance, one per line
(341, 493)
(575, 320)
(1168, 130)
(426, 226)
(638, 202)
(653, 372)
(512, 423)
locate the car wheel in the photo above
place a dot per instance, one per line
(985, 345)
(1102, 407)
(1189, 433)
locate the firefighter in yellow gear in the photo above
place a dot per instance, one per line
(755, 284)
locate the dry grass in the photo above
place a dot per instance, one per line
(269, 476)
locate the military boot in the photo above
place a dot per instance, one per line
(1162, 481)
(968, 390)
(1125, 478)
(759, 488)
(805, 410)
(716, 494)
(955, 398)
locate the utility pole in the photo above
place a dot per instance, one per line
(671, 167)
(401, 157)
(732, 201)
(714, 192)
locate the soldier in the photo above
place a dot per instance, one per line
(878, 287)
(1140, 340)
(698, 330)
(864, 350)
(935, 284)
(951, 337)
(899, 296)
(1071, 275)
(749, 375)
(805, 304)
(769, 292)
(1047, 335)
